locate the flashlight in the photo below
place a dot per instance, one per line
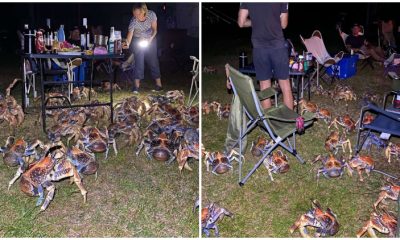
(143, 43)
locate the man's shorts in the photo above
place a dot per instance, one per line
(270, 63)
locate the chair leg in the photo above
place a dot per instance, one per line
(258, 164)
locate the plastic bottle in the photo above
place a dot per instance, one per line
(111, 41)
(61, 34)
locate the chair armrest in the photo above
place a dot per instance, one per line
(372, 107)
(267, 93)
(391, 93)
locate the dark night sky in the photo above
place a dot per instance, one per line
(304, 18)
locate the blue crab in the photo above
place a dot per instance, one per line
(332, 167)
(384, 223)
(220, 162)
(210, 215)
(277, 163)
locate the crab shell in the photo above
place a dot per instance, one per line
(362, 162)
(347, 122)
(368, 119)
(256, 149)
(205, 213)
(205, 108)
(333, 167)
(220, 163)
(308, 106)
(34, 176)
(331, 141)
(226, 110)
(84, 159)
(383, 223)
(280, 160)
(11, 156)
(324, 113)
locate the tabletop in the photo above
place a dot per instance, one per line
(67, 56)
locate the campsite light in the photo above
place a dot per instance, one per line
(143, 43)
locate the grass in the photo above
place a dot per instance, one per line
(132, 197)
(267, 209)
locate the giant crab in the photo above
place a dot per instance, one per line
(325, 222)
(324, 114)
(361, 163)
(345, 121)
(189, 148)
(306, 106)
(85, 162)
(157, 146)
(258, 148)
(96, 141)
(332, 167)
(382, 222)
(334, 141)
(54, 166)
(223, 112)
(391, 192)
(392, 149)
(13, 151)
(220, 162)
(276, 163)
(10, 110)
(210, 215)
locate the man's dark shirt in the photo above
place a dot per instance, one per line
(266, 24)
(355, 41)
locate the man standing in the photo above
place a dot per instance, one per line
(270, 56)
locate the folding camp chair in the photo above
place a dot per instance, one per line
(194, 87)
(279, 122)
(29, 70)
(315, 45)
(363, 56)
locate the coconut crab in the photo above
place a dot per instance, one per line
(324, 114)
(258, 148)
(345, 121)
(210, 215)
(332, 167)
(391, 191)
(189, 148)
(306, 106)
(325, 222)
(85, 162)
(334, 141)
(157, 146)
(52, 167)
(96, 141)
(276, 163)
(220, 162)
(223, 112)
(13, 151)
(205, 108)
(10, 110)
(384, 223)
(361, 163)
(106, 86)
(176, 96)
(392, 149)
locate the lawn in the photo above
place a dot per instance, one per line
(263, 208)
(132, 196)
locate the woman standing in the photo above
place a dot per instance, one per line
(141, 33)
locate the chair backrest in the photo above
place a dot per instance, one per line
(244, 89)
(315, 45)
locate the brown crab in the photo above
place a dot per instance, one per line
(334, 141)
(157, 146)
(392, 149)
(223, 112)
(84, 161)
(345, 121)
(106, 86)
(391, 192)
(307, 106)
(382, 222)
(325, 114)
(332, 167)
(368, 118)
(52, 167)
(277, 163)
(10, 110)
(96, 141)
(13, 151)
(220, 162)
(361, 163)
(176, 96)
(258, 148)
(205, 108)
(325, 222)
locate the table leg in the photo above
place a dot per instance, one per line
(42, 97)
(111, 94)
(23, 84)
(91, 78)
(298, 93)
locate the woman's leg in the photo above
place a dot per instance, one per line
(152, 61)
(138, 54)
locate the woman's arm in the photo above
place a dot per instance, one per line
(243, 18)
(129, 39)
(154, 28)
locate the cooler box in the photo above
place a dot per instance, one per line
(347, 67)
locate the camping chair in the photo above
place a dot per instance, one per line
(279, 122)
(29, 69)
(315, 45)
(384, 122)
(363, 56)
(194, 87)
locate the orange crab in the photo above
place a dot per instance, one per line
(391, 191)
(306, 106)
(324, 114)
(277, 163)
(325, 222)
(361, 163)
(334, 141)
(345, 121)
(383, 222)
(258, 148)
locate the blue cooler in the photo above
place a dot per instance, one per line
(347, 67)
(79, 72)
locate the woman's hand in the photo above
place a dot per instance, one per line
(125, 45)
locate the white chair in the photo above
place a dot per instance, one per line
(194, 88)
(315, 45)
(71, 65)
(29, 78)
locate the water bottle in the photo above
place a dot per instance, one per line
(61, 34)
(242, 59)
(111, 41)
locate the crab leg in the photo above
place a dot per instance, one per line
(50, 188)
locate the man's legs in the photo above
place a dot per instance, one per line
(264, 84)
(287, 92)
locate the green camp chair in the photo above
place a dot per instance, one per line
(279, 121)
